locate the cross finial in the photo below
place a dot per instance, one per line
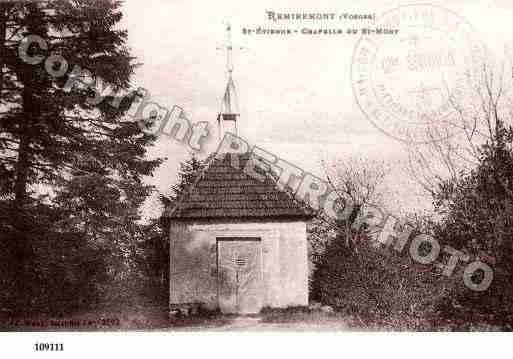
(228, 47)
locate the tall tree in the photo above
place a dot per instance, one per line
(48, 129)
(65, 140)
(153, 252)
(476, 213)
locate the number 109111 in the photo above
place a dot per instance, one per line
(48, 347)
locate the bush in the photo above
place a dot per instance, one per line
(379, 286)
(46, 271)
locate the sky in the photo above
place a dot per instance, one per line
(295, 93)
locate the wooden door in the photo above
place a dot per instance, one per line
(239, 275)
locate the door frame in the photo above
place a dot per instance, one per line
(243, 238)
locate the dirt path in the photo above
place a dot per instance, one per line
(252, 323)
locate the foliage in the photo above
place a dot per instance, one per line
(71, 167)
(188, 172)
(473, 212)
(154, 249)
(477, 211)
(376, 284)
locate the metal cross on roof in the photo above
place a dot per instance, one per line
(229, 49)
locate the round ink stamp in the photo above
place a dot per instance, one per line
(412, 84)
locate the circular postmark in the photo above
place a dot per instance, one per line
(413, 85)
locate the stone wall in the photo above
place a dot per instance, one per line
(284, 260)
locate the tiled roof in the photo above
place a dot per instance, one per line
(225, 191)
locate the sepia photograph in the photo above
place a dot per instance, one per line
(254, 170)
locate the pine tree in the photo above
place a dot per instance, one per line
(84, 153)
(188, 172)
(155, 247)
(48, 129)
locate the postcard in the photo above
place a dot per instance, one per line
(253, 168)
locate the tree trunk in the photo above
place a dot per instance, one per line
(22, 164)
(3, 34)
(20, 187)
